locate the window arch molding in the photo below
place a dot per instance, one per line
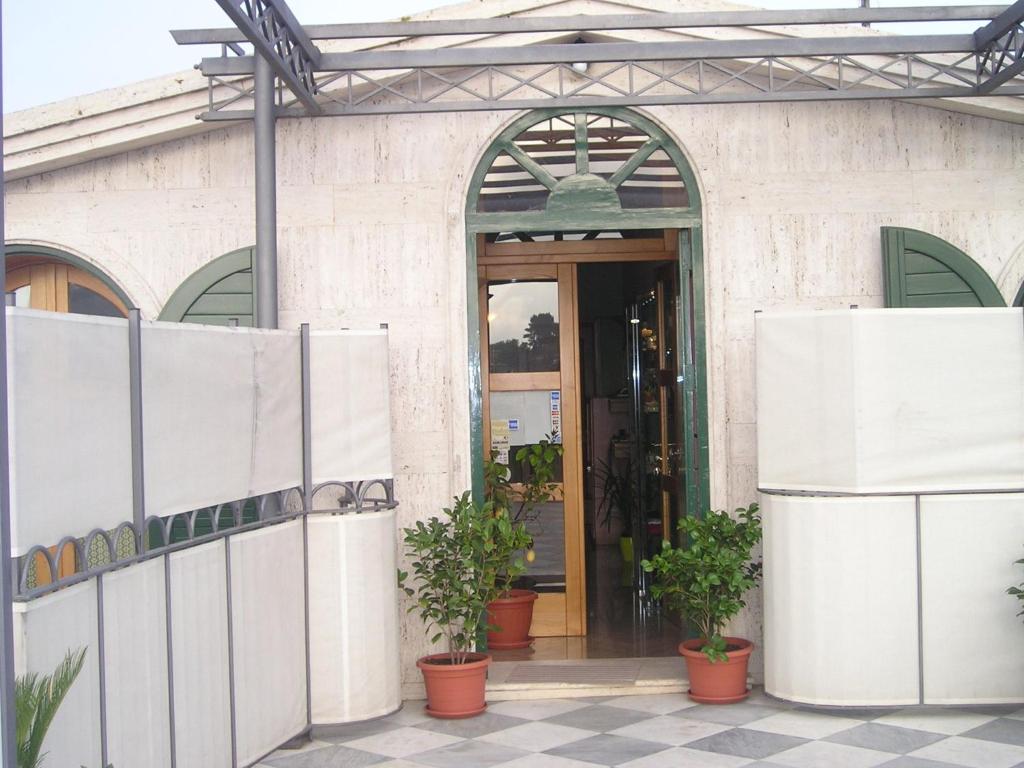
(218, 291)
(46, 253)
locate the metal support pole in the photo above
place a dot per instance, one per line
(135, 395)
(8, 751)
(307, 422)
(307, 504)
(265, 261)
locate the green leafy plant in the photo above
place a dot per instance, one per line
(518, 501)
(1018, 592)
(707, 578)
(36, 701)
(618, 494)
(456, 561)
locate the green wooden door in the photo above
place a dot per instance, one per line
(218, 292)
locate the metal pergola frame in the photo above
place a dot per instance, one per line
(383, 80)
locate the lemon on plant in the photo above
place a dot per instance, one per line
(530, 555)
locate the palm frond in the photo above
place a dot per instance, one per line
(37, 699)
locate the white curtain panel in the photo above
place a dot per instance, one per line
(350, 404)
(135, 632)
(354, 622)
(199, 621)
(840, 583)
(45, 630)
(268, 617)
(890, 400)
(972, 635)
(70, 426)
(222, 410)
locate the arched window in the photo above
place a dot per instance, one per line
(45, 278)
(216, 293)
(585, 171)
(922, 270)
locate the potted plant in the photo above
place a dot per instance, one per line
(454, 567)
(618, 501)
(36, 701)
(510, 614)
(1018, 592)
(706, 579)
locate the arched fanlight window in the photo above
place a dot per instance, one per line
(216, 293)
(584, 169)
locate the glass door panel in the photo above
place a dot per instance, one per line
(530, 394)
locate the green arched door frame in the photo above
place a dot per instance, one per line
(196, 286)
(44, 251)
(584, 217)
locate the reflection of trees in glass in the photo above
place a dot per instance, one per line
(538, 351)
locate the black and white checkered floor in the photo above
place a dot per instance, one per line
(670, 731)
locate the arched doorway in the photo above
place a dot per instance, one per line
(575, 219)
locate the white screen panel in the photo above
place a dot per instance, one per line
(70, 430)
(880, 401)
(350, 403)
(199, 620)
(940, 403)
(277, 445)
(840, 583)
(972, 635)
(354, 623)
(135, 632)
(805, 427)
(50, 626)
(198, 397)
(269, 638)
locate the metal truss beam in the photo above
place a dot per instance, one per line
(276, 35)
(633, 83)
(612, 22)
(606, 52)
(1000, 48)
(767, 68)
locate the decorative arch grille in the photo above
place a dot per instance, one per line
(583, 170)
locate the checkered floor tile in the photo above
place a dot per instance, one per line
(670, 731)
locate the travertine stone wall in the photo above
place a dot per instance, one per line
(371, 229)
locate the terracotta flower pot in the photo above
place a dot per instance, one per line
(720, 682)
(454, 690)
(513, 615)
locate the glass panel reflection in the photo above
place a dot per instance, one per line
(87, 302)
(23, 296)
(522, 420)
(522, 321)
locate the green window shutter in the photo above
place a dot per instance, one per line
(223, 289)
(922, 270)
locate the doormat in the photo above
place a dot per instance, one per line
(611, 673)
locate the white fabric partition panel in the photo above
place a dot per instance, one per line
(199, 622)
(840, 599)
(45, 630)
(894, 400)
(972, 637)
(352, 424)
(354, 630)
(268, 616)
(135, 632)
(222, 414)
(69, 425)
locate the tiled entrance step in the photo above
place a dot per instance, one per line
(508, 680)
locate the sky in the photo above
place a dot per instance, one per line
(57, 49)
